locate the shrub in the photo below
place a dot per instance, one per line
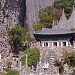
(13, 72)
(33, 56)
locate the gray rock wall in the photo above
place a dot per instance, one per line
(16, 12)
(32, 10)
(11, 14)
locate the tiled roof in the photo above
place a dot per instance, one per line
(49, 31)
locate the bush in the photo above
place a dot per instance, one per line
(13, 72)
(17, 37)
(33, 56)
(69, 58)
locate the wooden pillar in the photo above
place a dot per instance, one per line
(48, 44)
(61, 44)
(42, 44)
(74, 43)
(57, 44)
(52, 44)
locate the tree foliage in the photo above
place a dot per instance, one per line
(54, 12)
(33, 57)
(28, 38)
(66, 4)
(17, 36)
(37, 26)
(47, 16)
(69, 58)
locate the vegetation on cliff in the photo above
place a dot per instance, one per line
(37, 26)
(66, 4)
(69, 58)
(47, 16)
(18, 36)
(54, 12)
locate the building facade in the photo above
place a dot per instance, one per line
(54, 37)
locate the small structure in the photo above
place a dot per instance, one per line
(54, 37)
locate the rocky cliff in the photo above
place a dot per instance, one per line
(32, 10)
(11, 14)
(17, 12)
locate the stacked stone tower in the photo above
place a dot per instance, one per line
(64, 22)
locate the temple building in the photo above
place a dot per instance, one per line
(60, 35)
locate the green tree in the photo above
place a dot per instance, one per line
(33, 57)
(54, 12)
(47, 16)
(17, 38)
(69, 58)
(66, 4)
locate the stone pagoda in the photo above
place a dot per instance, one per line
(64, 22)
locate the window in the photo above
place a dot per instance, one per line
(64, 43)
(46, 44)
(55, 43)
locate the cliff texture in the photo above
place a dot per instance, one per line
(11, 14)
(32, 10)
(16, 12)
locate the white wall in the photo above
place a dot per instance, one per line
(67, 44)
(57, 44)
(42, 44)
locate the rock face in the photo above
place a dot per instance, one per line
(11, 14)
(16, 12)
(32, 10)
